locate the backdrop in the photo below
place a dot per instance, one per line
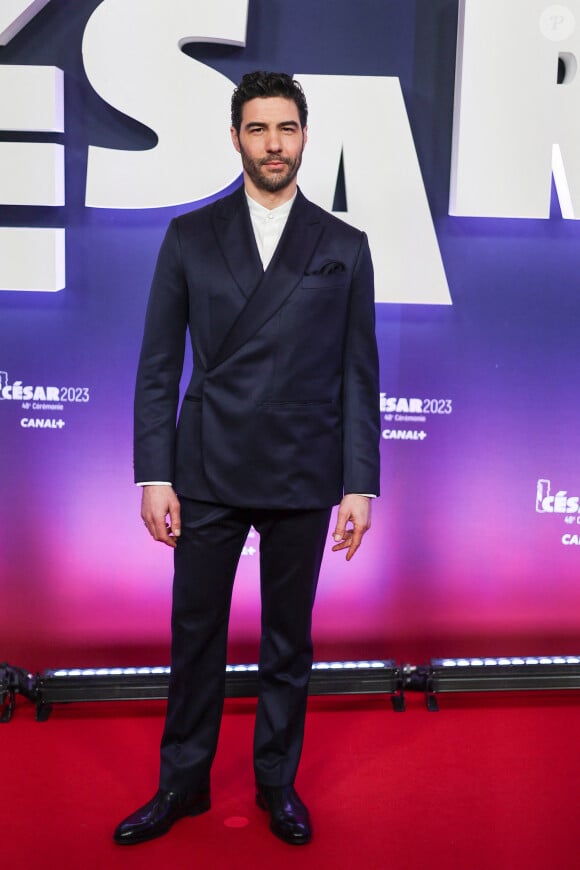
(474, 545)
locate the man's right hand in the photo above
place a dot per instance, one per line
(157, 503)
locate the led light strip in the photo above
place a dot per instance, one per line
(231, 669)
(506, 662)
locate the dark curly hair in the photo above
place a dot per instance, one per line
(267, 84)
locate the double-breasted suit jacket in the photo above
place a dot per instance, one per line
(282, 407)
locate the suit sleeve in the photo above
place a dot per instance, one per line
(361, 418)
(160, 366)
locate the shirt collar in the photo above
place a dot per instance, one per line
(258, 211)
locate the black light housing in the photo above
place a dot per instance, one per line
(327, 678)
(12, 681)
(125, 684)
(501, 674)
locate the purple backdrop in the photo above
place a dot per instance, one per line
(464, 555)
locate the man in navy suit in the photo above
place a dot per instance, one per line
(279, 422)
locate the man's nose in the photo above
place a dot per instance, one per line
(273, 142)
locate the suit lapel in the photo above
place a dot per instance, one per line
(236, 240)
(294, 251)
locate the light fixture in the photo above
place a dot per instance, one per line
(151, 683)
(496, 674)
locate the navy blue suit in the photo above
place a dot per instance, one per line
(280, 417)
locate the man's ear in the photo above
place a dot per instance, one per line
(305, 135)
(235, 138)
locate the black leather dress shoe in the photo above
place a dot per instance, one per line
(157, 816)
(289, 818)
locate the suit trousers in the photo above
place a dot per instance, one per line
(206, 557)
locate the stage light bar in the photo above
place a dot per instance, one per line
(503, 673)
(355, 678)
(151, 683)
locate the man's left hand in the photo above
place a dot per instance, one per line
(355, 509)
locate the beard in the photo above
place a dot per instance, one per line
(271, 182)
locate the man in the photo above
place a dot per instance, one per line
(279, 422)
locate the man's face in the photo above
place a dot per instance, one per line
(270, 142)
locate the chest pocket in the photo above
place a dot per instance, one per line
(325, 282)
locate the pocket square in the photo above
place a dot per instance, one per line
(333, 267)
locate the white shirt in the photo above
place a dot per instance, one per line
(268, 225)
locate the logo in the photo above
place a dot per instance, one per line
(413, 409)
(557, 23)
(41, 423)
(35, 398)
(404, 435)
(400, 413)
(562, 504)
(19, 392)
(555, 503)
(40, 397)
(134, 62)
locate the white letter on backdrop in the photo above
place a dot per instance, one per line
(364, 117)
(514, 125)
(31, 173)
(15, 14)
(132, 57)
(32, 259)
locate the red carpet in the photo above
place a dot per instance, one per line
(490, 781)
